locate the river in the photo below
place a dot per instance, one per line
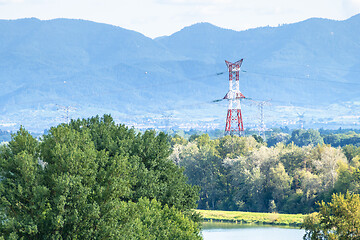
(231, 231)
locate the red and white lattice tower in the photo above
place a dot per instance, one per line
(234, 122)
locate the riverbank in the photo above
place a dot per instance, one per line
(252, 217)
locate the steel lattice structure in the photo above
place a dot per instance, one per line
(234, 122)
(261, 127)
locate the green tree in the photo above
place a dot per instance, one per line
(203, 168)
(338, 219)
(302, 137)
(177, 139)
(153, 174)
(154, 221)
(93, 179)
(247, 184)
(348, 180)
(276, 185)
(23, 200)
(332, 139)
(293, 158)
(253, 189)
(234, 146)
(351, 152)
(277, 138)
(258, 138)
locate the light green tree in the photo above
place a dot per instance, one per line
(336, 220)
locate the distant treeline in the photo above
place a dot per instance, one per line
(300, 137)
(290, 176)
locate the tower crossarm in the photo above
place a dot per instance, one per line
(234, 67)
(234, 95)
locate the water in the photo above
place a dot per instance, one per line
(230, 231)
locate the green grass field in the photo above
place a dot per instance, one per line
(252, 217)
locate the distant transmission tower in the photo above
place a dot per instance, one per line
(301, 120)
(234, 122)
(262, 127)
(167, 118)
(65, 115)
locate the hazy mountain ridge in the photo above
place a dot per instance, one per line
(294, 50)
(103, 68)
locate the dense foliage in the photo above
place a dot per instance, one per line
(242, 173)
(93, 179)
(338, 219)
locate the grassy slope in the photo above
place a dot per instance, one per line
(252, 217)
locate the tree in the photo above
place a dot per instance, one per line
(258, 138)
(177, 139)
(293, 158)
(247, 184)
(302, 137)
(22, 204)
(338, 219)
(234, 146)
(93, 179)
(332, 139)
(276, 185)
(277, 138)
(154, 221)
(251, 179)
(351, 152)
(153, 174)
(326, 161)
(203, 168)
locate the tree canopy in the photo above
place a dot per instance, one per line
(93, 179)
(241, 173)
(338, 219)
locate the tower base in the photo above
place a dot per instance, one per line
(234, 122)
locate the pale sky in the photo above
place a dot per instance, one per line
(155, 18)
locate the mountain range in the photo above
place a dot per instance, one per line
(58, 69)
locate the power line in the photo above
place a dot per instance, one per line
(300, 78)
(215, 74)
(309, 66)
